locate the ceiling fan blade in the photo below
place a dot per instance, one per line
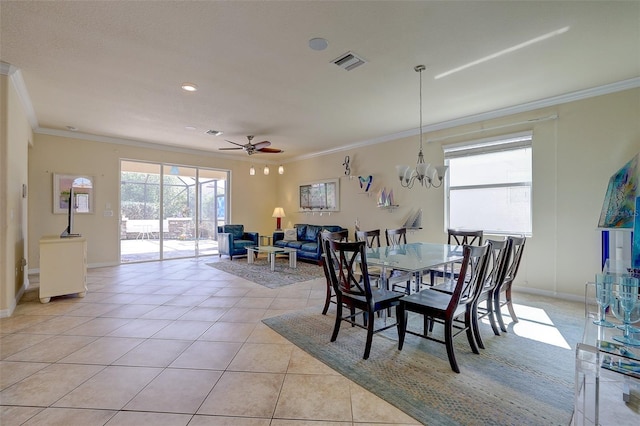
(234, 143)
(261, 145)
(270, 150)
(227, 149)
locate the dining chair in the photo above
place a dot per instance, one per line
(372, 238)
(447, 309)
(458, 237)
(340, 236)
(398, 279)
(499, 253)
(344, 259)
(517, 248)
(396, 236)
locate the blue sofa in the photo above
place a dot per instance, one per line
(307, 243)
(233, 240)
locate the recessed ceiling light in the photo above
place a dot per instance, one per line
(318, 43)
(189, 128)
(214, 132)
(189, 87)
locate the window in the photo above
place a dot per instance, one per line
(489, 185)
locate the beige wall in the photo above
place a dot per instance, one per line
(573, 158)
(15, 136)
(252, 197)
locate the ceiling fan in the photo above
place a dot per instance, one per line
(252, 148)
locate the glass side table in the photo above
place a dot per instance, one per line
(607, 376)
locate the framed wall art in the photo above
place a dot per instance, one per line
(83, 188)
(320, 196)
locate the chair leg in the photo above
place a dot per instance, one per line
(448, 338)
(327, 301)
(475, 327)
(492, 315)
(507, 294)
(471, 336)
(336, 327)
(402, 324)
(367, 347)
(498, 312)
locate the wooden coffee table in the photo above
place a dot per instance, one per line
(272, 251)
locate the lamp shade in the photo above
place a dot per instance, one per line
(278, 212)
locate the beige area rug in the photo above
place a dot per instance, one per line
(259, 271)
(516, 380)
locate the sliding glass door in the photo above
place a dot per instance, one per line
(170, 211)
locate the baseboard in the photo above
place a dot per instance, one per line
(4, 313)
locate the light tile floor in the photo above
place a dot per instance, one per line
(171, 343)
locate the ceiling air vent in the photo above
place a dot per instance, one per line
(349, 61)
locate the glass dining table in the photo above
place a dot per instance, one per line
(412, 258)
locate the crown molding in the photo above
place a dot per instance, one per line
(16, 78)
(15, 75)
(148, 145)
(606, 89)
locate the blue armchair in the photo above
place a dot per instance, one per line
(233, 241)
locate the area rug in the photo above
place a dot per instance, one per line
(514, 381)
(260, 273)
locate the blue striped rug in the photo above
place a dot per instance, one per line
(516, 380)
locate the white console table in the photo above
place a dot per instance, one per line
(63, 267)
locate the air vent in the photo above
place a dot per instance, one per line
(349, 61)
(213, 132)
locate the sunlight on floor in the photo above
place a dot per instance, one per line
(535, 324)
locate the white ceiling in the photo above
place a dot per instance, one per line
(114, 69)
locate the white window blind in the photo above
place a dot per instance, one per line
(489, 184)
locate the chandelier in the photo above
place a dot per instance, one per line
(424, 173)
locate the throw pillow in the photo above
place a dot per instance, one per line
(290, 235)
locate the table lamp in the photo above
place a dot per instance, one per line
(278, 213)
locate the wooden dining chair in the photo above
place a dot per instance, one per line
(372, 238)
(447, 309)
(458, 237)
(517, 248)
(499, 253)
(396, 236)
(353, 290)
(398, 279)
(340, 236)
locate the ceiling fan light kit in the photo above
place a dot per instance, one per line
(424, 173)
(253, 148)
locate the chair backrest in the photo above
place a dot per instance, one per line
(461, 237)
(499, 255)
(347, 265)
(517, 248)
(335, 235)
(396, 236)
(372, 238)
(473, 272)
(237, 231)
(328, 236)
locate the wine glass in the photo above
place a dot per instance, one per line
(604, 285)
(625, 306)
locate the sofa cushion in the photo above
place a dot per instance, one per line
(236, 231)
(309, 247)
(302, 231)
(312, 233)
(294, 244)
(243, 243)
